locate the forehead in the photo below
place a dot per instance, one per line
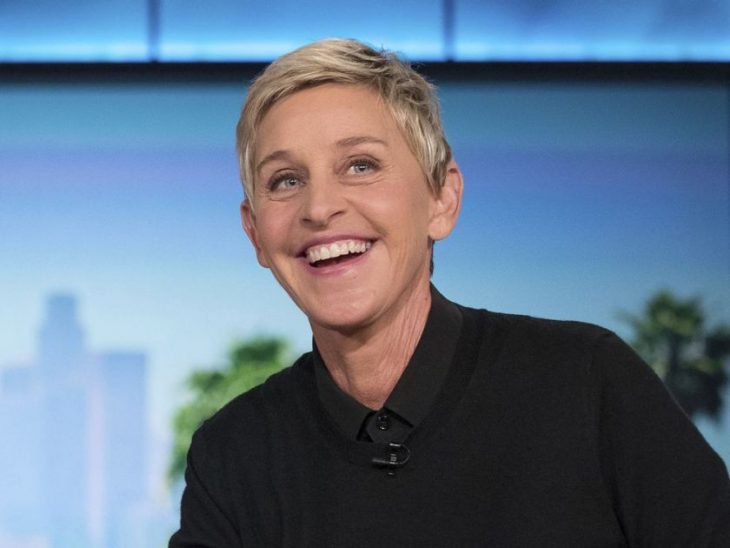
(325, 114)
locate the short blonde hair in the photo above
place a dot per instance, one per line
(410, 98)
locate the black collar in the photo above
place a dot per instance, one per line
(417, 387)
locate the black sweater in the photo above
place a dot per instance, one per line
(545, 433)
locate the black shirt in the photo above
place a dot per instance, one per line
(414, 392)
(543, 433)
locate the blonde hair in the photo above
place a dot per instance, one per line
(410, 98)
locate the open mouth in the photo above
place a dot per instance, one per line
(334, 253)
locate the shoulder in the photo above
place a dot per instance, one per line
(541, 339)
(584, 371)
(565, 357)
(249, 416)
(228, 463)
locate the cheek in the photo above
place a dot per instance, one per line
(400, 204)
(272, 229)
(403, 222)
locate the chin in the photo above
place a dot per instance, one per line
(344, 316)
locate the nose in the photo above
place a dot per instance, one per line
(323, 201)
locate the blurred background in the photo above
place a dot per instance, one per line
(595, 142)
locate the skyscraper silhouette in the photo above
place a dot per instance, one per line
(74, 438)
(64, 368)
(121, 379)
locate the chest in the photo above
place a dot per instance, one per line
(515, 483)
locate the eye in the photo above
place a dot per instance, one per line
(283, 182)
(361, 166)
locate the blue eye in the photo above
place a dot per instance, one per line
(283, 183)
(359, 167)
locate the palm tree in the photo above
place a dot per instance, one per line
(249, 363)
(672, 338)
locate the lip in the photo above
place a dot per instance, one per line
(330, 239)
(338, 268)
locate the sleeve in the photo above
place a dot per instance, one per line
(203, 521)
(669, 487)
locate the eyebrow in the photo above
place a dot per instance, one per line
(342, 143)
(276, 155)
(353, 141)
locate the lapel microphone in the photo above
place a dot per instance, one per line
(397, 455)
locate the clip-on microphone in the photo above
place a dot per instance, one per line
(397, 457)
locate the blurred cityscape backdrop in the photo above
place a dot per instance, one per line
(123, 267)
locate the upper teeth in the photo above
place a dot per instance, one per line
(336, 249)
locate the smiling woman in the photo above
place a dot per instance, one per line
(414, 420)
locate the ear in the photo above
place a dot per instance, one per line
(248, 221)
(446, 206)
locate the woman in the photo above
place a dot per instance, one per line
(414, 420)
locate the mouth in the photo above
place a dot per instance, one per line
(332, 253)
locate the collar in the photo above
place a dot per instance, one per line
(419, 384)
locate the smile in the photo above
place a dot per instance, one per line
(328, 253)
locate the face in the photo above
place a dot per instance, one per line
(343, 215)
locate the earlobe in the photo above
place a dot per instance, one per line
(248, 222)
(447, 204)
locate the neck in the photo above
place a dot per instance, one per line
(367, 364)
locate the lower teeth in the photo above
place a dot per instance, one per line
(336, 260)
